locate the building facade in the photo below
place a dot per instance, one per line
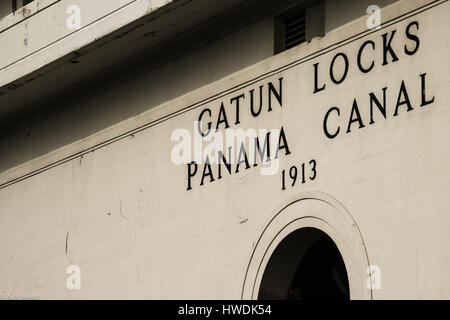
(238, 149)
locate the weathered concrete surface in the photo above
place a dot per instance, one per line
(121, 210)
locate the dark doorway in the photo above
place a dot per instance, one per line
(306, 265)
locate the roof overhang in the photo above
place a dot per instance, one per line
(57, 59)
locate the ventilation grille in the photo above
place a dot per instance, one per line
(294, 30)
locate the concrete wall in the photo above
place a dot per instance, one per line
(201, 66)
(121, 210)
(193, 70)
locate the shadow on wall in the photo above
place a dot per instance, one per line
(306, 265)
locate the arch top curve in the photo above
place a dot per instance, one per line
(311, 210)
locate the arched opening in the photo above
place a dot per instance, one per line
(306, 265)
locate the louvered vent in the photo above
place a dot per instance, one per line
(294, 30)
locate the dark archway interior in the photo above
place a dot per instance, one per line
(306, 265)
